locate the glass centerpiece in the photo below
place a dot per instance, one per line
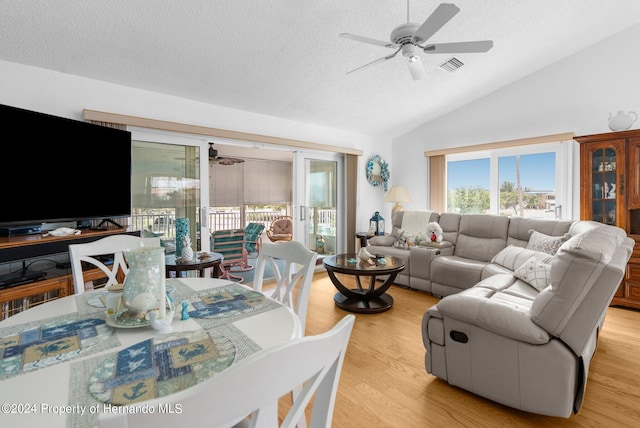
(144, 288)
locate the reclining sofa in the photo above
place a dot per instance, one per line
(522, 303)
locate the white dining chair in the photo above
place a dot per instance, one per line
(107, 246)
(250, 388)
(294, 278)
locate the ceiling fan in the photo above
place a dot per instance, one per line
(409, 38)
(213, 156)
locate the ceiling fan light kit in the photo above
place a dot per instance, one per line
(213, 157)
(409, 38)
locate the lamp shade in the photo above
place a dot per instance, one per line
(397, 194)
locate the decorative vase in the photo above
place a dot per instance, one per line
(622, 121)
(182, 230)
(144, 285)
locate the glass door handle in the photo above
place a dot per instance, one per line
(204, 216)
(558, 212)
(303, 212)
(622, 185)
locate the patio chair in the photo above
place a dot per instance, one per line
(231, 244)
(281, 229)
(253, 237)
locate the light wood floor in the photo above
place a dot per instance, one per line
(384, 382)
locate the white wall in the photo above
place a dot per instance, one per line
(574, 95)
(67, 95)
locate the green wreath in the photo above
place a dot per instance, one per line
(378, 172)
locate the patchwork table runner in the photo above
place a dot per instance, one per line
(153, 368)
(225, 304)
(40, 344)
(169, 363)
(160, 366)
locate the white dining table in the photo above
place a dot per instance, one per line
(57, 395)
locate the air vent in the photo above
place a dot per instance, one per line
(451, 65)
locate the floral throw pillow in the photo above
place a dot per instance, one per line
(535, 273)
(411, 238)
(545, 243)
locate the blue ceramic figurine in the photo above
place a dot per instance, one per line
(185, 312)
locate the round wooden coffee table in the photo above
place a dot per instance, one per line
(363, 300)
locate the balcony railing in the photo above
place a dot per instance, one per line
(323, 221)
(165, 223)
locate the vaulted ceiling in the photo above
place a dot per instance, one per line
(284, 58)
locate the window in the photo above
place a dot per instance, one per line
(255, 191)
(527, 181)
(468, 186)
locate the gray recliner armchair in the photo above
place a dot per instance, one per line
(506, 341)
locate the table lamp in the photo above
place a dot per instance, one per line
(397, 194)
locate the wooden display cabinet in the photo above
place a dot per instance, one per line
(610, 193)
(21, 297)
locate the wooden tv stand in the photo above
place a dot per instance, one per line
(16, 248)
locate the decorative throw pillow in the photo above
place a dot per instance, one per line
(535, 273)
(545, 243)
(401, 244)
(411, 238)
(383, 241)
(511, 257)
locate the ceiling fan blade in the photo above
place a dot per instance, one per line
(436, 21)
(459, 47)
(416, 68)
(368, 40)
(375, 62)
(229, 161)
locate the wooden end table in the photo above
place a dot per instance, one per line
(199, 264)
(368, 300)
(363, 237)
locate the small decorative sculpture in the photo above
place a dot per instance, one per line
(366, 256)
(611, 190)
(185, 311)
(187, 251)
(161, 325)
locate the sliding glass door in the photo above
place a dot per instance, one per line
(319, 216)
(167, 185)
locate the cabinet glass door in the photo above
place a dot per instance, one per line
(604, 185)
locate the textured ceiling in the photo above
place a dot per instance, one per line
(284, 57)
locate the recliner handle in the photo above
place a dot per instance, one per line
(458, 336)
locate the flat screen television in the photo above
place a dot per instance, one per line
(61, 170)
